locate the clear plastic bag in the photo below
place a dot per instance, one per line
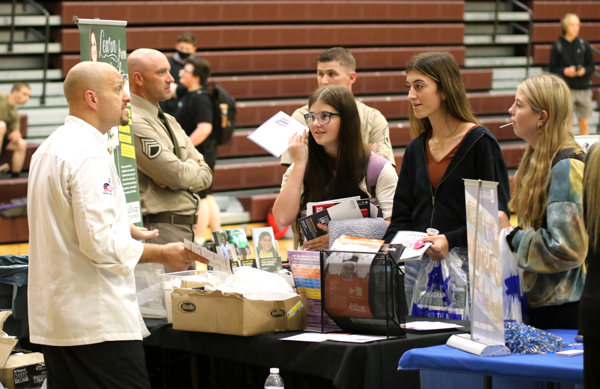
(441, 289)
(513, 294)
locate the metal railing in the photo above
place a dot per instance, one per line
(595, 50)
(43, 37)
(528, 31)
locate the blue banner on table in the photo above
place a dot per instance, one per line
(105, 41)
(485, 270)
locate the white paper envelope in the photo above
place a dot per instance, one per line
(274, 134)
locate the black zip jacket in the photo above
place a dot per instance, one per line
(417, 207)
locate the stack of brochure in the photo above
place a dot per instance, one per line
(339, 209)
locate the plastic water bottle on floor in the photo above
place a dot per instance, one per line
(274, 380)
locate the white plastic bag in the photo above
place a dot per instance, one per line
(513, 295)
(441, 289)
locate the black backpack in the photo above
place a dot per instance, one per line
(224, 113)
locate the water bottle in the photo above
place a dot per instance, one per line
(274, 380)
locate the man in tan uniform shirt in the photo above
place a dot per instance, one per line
(171, 170)
(336, 66)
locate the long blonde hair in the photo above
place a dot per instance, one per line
(443, 69)
(591, 196)
(550, 93)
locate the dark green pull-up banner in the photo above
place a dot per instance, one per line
(105, 41)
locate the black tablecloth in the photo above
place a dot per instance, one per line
(370, 365)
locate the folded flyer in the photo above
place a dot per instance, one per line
(274, 134)
(413, 247)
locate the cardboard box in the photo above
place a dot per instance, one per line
(232, 314)
(19, 371)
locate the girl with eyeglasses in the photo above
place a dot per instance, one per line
(335, 164)
(448, 145)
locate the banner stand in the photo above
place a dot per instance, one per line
(486, 339)
(465, 343)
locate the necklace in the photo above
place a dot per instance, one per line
(440, 144)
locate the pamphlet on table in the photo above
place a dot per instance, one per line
(266, 249)
(306, 268)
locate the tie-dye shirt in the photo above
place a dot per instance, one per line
(553, 254)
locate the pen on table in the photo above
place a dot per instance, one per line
(508, 124)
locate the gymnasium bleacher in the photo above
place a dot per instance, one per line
(263, 51)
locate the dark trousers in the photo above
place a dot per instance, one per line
(107, 365)
(565, 316)
(591, 361)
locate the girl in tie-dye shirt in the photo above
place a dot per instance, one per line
(551, 241)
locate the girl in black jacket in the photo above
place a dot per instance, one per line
(448, 145)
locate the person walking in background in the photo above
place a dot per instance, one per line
(448, 146)
(196, 116)
(571, 57)
(550, 242)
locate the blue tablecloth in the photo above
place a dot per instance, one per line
(546, 367)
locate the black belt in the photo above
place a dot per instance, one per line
(170, 219)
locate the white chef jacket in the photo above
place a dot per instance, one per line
(81, 253)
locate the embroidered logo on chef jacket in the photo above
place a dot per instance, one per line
(150, 147)
(108, 189)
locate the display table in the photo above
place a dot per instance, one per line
(546, 367)
(346, 365)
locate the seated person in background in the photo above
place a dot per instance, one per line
(196, 115)
(448, 145)
(337, 66)
(185, 49)
(10, 127)
(335, 164)
(551, 241)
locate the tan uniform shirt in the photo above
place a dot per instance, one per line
(373, 126)
(9, 114)
(157, 162)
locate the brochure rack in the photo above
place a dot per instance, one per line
(361, 295)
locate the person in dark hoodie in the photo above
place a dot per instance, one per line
(448, 146)
(571, 58)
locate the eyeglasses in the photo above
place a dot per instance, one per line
(323, 117)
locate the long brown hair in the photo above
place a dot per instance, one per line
(591, 196)
(550, 93)
(443, 69)
(326, 178)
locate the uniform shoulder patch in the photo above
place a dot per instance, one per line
(150, 147)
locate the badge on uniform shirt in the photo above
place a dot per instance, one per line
(107, 188)
(150, 147)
